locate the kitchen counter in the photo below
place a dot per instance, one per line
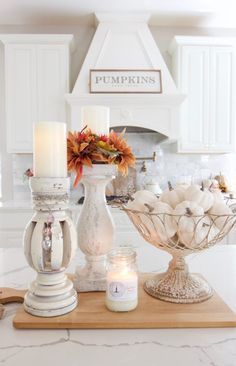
(164, 347)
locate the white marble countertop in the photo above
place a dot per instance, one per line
(164, 347)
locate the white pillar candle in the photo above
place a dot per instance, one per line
(96, 118)
(50, 149)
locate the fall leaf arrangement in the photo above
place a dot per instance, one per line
(87, 148)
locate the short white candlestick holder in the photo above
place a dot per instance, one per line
(95, 228)
(49, 244)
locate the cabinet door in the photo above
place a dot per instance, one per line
(53, 83)
(221, 123)
(20, 74)
(195, 109)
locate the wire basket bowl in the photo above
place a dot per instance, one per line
(180, 235)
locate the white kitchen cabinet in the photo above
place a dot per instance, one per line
(36, 81)
(204, 71)
(125, 232)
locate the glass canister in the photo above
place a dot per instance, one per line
(122, 280)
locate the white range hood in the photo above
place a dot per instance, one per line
(125, 42)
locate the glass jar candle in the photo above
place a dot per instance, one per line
(122, 280)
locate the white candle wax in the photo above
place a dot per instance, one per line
(50, 149)
(96, 118)
(122, 291)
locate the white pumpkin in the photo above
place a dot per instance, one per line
(210, 184)
(186, 215)
(180, 189)
(173, 196)
(164, 223)
(140, 198)
(201, 236)
(183, 185)
(218, 196)
(142, 201)
(203, 198)
(219, 213)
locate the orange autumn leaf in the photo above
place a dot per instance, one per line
(126, 156)
(86, 148)
(78, 176)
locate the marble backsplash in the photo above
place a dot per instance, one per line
(169, 165)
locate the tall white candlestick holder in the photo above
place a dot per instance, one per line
(95, 228)
(50, 242)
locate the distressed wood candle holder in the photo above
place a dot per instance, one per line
(95, 228)
(49, 244)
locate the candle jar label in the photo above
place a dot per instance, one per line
(122, 290)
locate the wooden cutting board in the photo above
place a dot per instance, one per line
(8, 295)
(91, 313)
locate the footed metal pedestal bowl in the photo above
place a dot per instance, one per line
(191, 234)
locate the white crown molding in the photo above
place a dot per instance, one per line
(196, 19)
(200, 41)
(38, 39)
(121, 17)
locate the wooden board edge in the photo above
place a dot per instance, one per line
(229, 324)
(214, 322)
